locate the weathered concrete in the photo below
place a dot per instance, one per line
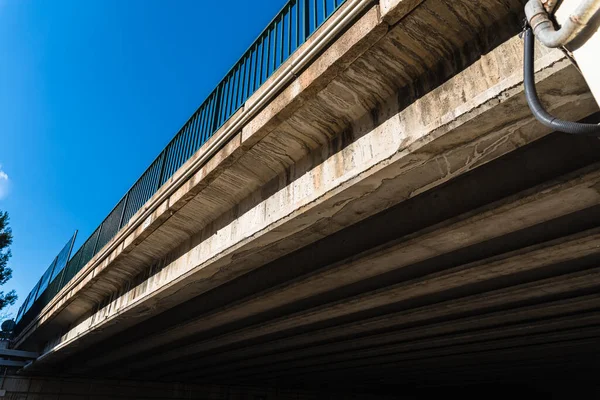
(283, 147)
(393, 204)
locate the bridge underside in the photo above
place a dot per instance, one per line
(492, 278)
(449, 240)
(518, 307)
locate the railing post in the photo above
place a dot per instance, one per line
(217, 109)
(162, 169)
(64, 270)
(97, 240)
(125, 201)
(315, 15)
(306, 19)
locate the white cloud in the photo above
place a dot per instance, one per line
(4, 183)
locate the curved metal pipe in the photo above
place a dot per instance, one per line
(543, 27)
(538, 111)
(549, 5)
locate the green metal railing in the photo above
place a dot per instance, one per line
(285, 33)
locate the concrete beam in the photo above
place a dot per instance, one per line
(234, 361)
(539, 204)
(446, 310)
(498, 268)
(18, 353)
(459, 343)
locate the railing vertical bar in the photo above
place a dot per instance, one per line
(210, 112)
(223, 108)
(198, 129)
(238, 88)
(261, 63)
(229, 97)
(255, 77)
(182, 148)
(176, 156)
(232, 93)
(161, 169)
(324, 10)
(247, 77)
(255, 66)
(241, 80)
(203, 122)
(274, 58)
(143, 189)
(97, 239)
(267, 54)
(314, 27)
(251, 73)
(306, 15)
(158, 169)
(190, 137)
(289, 30)
(297, 23)
(123, 211)
(211, 118)
(150, 182)
(170, 164)
(216, 109)
(281, 36)
(220, 105)
(246, 64)
(168, 161)
(193, 135)
(173, 156)
(224, 99)
(280, 41)
(185, 143)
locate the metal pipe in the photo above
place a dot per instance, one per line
(538, 111)
(543, 27)
(549, 5)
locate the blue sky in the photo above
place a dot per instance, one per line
(90, 92)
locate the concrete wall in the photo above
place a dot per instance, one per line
(40, 388)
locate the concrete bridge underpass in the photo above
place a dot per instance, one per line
(390, 221)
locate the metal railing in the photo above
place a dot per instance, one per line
(45, 288)
(285, 33)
